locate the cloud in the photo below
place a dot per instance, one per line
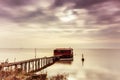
(78, 3)
(105, 13)
(16, 3)
(101, 21)
(110, 32)
(35, 11)
(23, 10)
(70, 19)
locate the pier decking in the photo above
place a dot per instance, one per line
(31, 65)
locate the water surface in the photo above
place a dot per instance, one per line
(100, 64)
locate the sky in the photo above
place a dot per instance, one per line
(59, 23)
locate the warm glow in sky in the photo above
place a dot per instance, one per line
(59, 23)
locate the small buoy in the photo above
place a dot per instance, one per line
(82, 59)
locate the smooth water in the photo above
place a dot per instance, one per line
(100, 64)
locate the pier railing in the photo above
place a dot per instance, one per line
(31, 65)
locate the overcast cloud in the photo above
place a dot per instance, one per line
(96, 20)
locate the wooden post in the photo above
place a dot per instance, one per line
(25, 66)
(35, 64)
(46, 61)
(15, 66)
(15, 69)
(41, 63)
(32, 65)
(29, 66)
(21, 66)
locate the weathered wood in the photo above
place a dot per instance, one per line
(32, 65)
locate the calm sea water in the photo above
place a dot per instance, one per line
(100, 64)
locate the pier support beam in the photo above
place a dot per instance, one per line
(31, 65)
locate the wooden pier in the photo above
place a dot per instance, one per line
(31, 65)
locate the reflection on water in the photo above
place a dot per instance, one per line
(100, 64)
(64, 62)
